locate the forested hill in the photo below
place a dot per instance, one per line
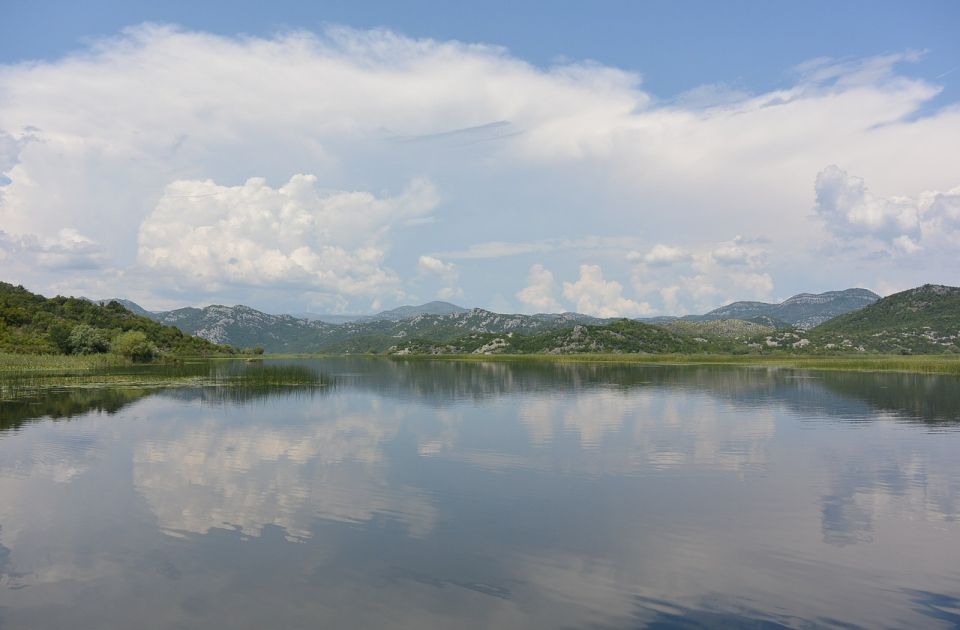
(921, 320)
(618, 336)
(33, 324)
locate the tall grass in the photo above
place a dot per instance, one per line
(924, 364)
(19, 377)
(58, 362)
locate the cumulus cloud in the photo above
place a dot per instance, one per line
(738, 252)
(941, 214)
(509, 141)
(446, 272)
(661, 255)
(296, 234)
(749, 285)
(852, 212)
(66, 250)
(730, 270)
(593, 295)
(540, 293)
(429, 264)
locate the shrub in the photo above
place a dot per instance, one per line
(85, 339)
(134, 344)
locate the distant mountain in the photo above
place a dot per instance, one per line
(245, 327)
(430, 308)
(618, 336)
(921, 320)
(441, 324)
(133, 307)
(804, 310)
(329, 318)
(378, 336)
(396, 314)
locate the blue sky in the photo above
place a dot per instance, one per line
(675, 45)
(614, 157)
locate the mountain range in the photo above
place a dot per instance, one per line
(442, 322)
(395, 314)
(925, 320)
(804, 310)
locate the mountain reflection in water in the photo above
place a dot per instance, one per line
(478, 494)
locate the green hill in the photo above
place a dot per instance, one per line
(804, 310)
(620, 336)
(33, 324)
(730, 328)
(921, 320)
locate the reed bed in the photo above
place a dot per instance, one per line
(923, 364)
(58, 362)
(22, 378)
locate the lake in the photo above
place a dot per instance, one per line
(436, 494)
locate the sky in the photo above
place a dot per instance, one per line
(612, 158)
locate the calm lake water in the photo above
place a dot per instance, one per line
(487, 495)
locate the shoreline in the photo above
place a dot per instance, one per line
(914, 364)
(917, 364)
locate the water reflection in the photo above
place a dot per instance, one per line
(207, 471)
(424, 494)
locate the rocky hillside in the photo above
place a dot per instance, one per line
(728, 328)
(246, 327)
(805, 310)
(395, 314)
(619, 336)
(921, 320)
(380, 335)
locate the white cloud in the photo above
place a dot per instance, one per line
(671, 300)
(719, 272)
(449, 293)
(941, 215)
(68, 249)
(256, 235)
(429, 264)
(750, 286)
(738, 252)
(93, 140)
(593, 295)
(539, 294)
(904, 224)
(447, 272)
(850, 210)
(502, 249)
(664, 255)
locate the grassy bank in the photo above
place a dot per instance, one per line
(50, 365)
(923, 364)
(27, 374)
(13, 363)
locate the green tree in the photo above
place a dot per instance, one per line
(85, 339)
(135, 345)
(59, 334)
